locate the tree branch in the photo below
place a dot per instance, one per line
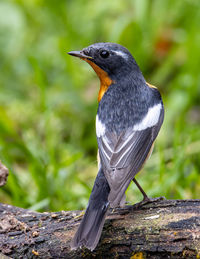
(155, 230)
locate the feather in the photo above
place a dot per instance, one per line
(89, 231)
(122, 156)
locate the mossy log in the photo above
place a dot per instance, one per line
(162, 229)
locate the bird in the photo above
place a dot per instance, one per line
(129, 117)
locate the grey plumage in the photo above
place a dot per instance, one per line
(89, 231)
(122, 164)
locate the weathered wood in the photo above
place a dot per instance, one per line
(164, 229)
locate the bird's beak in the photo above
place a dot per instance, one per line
(79, 54)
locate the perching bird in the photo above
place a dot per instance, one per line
(129, 117)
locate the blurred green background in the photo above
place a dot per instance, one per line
(48, 100)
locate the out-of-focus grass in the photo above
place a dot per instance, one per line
(48, 99)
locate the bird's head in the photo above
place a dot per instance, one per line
(112, 62)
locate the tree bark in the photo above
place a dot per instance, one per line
(162, 229)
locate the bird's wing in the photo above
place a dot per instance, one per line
(123, 156)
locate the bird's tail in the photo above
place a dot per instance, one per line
(89, 231)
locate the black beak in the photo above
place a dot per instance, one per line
(79, 54)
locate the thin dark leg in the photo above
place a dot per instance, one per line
(146, 198)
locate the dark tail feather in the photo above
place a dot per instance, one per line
(89, 231)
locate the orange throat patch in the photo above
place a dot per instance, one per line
(105, 80)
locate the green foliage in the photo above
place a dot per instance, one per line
(48, 99)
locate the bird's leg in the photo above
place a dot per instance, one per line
(146, 199)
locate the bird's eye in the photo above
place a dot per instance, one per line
(104, 53)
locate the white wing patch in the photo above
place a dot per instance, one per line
(150, 119)
(111, 149)
(100, 128)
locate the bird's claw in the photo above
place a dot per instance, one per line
(147, 200)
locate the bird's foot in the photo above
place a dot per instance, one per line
(147, 200)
